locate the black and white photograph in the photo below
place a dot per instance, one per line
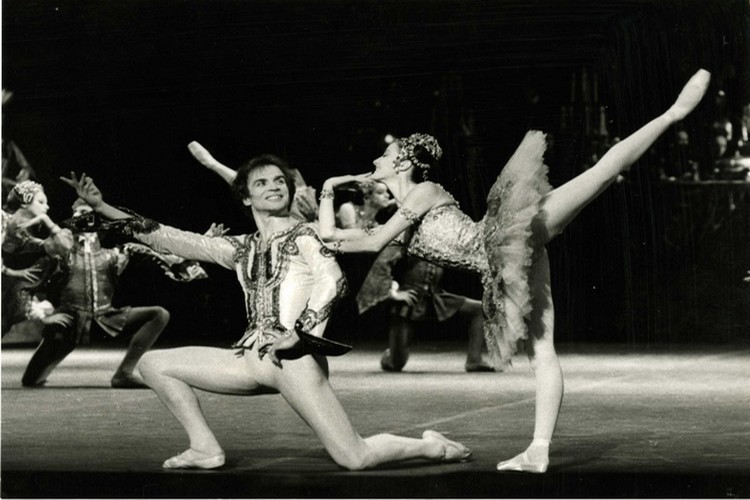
(375, 249)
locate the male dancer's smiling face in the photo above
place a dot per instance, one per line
(267, 190)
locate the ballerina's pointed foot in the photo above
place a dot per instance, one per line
(453, 451)
(691, 95)
(200, 153)
(192, 459)
(524, 463)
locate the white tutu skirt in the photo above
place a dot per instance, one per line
(512, 284)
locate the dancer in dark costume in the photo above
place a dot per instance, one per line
(86, 281)
(412, 289)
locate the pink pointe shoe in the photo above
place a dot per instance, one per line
(522, 463)
(191, 459)
(691, 95)
(453, 451)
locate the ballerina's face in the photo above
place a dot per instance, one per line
(38, 204)
(385, 164)
(379, 197)
(267, 190)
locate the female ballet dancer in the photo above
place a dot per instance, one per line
(30, 240)
(507, 247)
(375, 197)
(291, 282)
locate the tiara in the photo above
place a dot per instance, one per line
(407, 145)
(26, 190)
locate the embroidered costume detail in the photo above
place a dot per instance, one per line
(331, 249)
(342, 290)
(409, 215)
(174, 267)
(280, 277)
(136, 224)
(326, 194)
(307, 320)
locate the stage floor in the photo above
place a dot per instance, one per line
(637, 421)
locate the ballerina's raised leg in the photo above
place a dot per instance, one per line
(560, 206)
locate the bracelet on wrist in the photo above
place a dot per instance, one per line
(326, 194)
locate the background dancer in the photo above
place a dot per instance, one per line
(412, 289)
(87, 281)
(30, 243)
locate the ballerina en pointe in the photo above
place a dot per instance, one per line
(522, 463)
(690, 96)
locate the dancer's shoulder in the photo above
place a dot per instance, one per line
(431, 189)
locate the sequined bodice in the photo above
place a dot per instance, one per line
(449, 238)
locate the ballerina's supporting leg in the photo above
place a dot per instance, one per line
(547, 373)
(562, 204)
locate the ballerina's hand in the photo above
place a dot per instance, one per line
(43, 218)
(201, 154)
(216, 230)
(85, 189)
(333, 182)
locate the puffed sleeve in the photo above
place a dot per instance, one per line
(186, 244)
(59, 244)
(329, 282)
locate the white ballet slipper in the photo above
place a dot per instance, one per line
(191, 459)
(522, 463)
(690, 96)
(453, 451)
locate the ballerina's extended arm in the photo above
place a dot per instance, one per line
(418, 202)
(327, 215)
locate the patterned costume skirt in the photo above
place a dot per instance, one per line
(517, 281)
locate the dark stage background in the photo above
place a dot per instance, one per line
(118, 89)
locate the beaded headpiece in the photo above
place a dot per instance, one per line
(367, 187)
(407, 144)
(26, 190)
